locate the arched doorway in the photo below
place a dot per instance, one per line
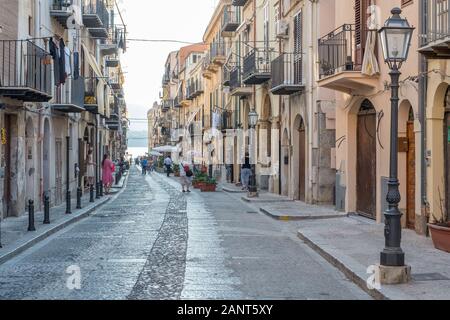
(46, 158)
(447, 151)
(286, 155)
(407, 162)
(29, 159)
(300, 143)
(366, 160)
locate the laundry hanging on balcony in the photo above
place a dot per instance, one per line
(370, 64)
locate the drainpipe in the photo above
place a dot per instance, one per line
(313, 112)
(423, 68)
(280, 12)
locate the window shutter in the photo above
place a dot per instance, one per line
(298, 49)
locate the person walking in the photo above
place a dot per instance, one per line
(90, 168)
(144, 165)
(107, 173)
(186, 175)
(246, 173)
(168, 164)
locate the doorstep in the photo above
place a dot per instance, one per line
(354, 244)
(297, 210)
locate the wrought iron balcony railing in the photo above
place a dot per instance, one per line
(436, 39)
(217, 53)
(25, 71)
(96, 18)
(257, 66)
(337, 51)
(287, 74)
(230, 20)
(239, 3)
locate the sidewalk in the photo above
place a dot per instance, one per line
(297, 210)
(14, 235)
(353, 244)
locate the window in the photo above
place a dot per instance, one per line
(30, 25)
(266, 27)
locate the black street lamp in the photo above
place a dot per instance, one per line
(395, 37)
(253, 118)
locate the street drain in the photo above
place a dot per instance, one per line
(252, 212)
(429, 277)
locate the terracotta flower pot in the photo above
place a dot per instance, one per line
(440, 236)
(208, 187)
(199, 185)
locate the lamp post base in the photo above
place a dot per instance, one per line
(394, 275)
(392, 257)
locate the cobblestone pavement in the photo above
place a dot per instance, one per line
(154, 242)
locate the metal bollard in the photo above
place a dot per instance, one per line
(31, 216)
(79, 195)
(46, 209)
(68, 203)
(91, 191)
(97, 191)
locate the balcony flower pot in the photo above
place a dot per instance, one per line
(440, 233)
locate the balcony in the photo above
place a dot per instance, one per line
(226, 121)
(287, 74)
(237, 89)
(96, 18)
(90, 95)
(225, 76)
(206, 66)
(230, 21)
(239, 3)
(195, 89)
(167, 105)
(25, 71)
(257, 67)
(73, 101)
(436, 42)
(217, 55)
(60, 10)
(340, 62)
(115, 83)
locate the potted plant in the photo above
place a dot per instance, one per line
(440, 230)
(199, 180)
(176, 170)
(209, 186)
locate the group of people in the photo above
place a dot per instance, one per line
(108, 168)
(147, 164)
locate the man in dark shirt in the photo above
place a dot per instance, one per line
(246, 172)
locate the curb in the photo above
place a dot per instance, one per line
(27, 245)
(351, 275)
(233, 191)
(299, 218)
(252, 200)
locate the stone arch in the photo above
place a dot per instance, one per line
(285, 161)
(299, 142)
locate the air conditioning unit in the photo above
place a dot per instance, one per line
(282, 28)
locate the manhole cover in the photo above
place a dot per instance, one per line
(429, 277)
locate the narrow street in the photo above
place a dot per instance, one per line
(153, 242)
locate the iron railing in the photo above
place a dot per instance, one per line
(61, 4)
(90, 91)
(230, 19)
(98, 8)
(235, 78)
(226, 76)
(337, 51)
(217, 49)
(257, 61)
(23, 64)
(287, 69)
(438, 21)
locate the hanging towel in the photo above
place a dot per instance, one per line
(76, 65)
(54, 53)
(62, 61)
(67, 65)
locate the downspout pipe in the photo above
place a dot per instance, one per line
(423, 83)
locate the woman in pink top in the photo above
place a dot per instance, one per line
(107, 170)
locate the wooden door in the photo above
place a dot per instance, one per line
(366, 164)
(447, 161)
(58, 184)
(302, 163)
(411, 177)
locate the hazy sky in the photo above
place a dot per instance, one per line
(143, 63)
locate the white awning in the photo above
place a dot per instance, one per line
(370, 64)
